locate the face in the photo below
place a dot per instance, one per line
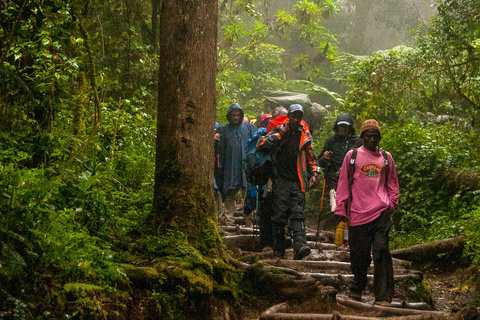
(342, 129)
(235, 117)
(295, 118)
(371, 138)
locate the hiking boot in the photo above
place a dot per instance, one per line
(300, 248)
(302, 253)
(355, 295)
(383, 303)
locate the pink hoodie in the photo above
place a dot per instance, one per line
(370, 194)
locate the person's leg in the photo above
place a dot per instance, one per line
(279, 246)
(383, 282)
(240, 198)
(265, 221)
(300, 248)
(250, 205)
(229, 207)
(360, 242)
(279, 218)
(297, 221)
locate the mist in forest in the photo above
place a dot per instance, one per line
(363, 27)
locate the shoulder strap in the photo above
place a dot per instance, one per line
(351, 167)
(387, 165)
(350, 172)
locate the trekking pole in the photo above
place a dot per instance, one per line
(321, 206)
(255, 215)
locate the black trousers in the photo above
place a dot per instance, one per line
(265, 219)
(289, 201)
(362, 239)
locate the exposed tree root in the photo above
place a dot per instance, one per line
(429, 251)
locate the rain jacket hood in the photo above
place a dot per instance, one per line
(347, 118)
(234, 106)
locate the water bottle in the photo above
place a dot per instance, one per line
(339, 233)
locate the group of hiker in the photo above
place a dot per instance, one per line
(361, 180)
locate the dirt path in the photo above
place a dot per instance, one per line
(421, 293)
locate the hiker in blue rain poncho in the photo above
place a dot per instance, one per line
(231, 140)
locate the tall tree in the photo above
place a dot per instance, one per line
(186, 114)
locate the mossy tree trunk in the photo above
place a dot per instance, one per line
(186, 115)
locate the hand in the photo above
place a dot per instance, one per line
(327, 155)
(339, 218)
(217, 136)
(313, 181)
(283, 130)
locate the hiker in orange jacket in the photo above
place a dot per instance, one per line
(296, 171)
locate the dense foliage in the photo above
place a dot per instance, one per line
(77, 131)
(427, 100)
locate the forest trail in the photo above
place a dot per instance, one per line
(317, 286)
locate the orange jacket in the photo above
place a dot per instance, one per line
(306, 161)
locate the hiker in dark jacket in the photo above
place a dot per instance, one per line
(334, 150)
(296, 166)
(231, 140)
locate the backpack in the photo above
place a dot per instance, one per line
(258, 164)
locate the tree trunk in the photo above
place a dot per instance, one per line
(183, 196)
(360, 21)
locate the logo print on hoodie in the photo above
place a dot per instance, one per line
(371, 169)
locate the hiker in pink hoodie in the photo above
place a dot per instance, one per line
(367, 195)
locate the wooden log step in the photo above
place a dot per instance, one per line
(338, 281)
(389, 311)
(281, 312)
(325, 246)
(323, 236)
(400, 277)
(242, 242)
(312, 266)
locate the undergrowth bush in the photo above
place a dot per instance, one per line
(431, 209)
